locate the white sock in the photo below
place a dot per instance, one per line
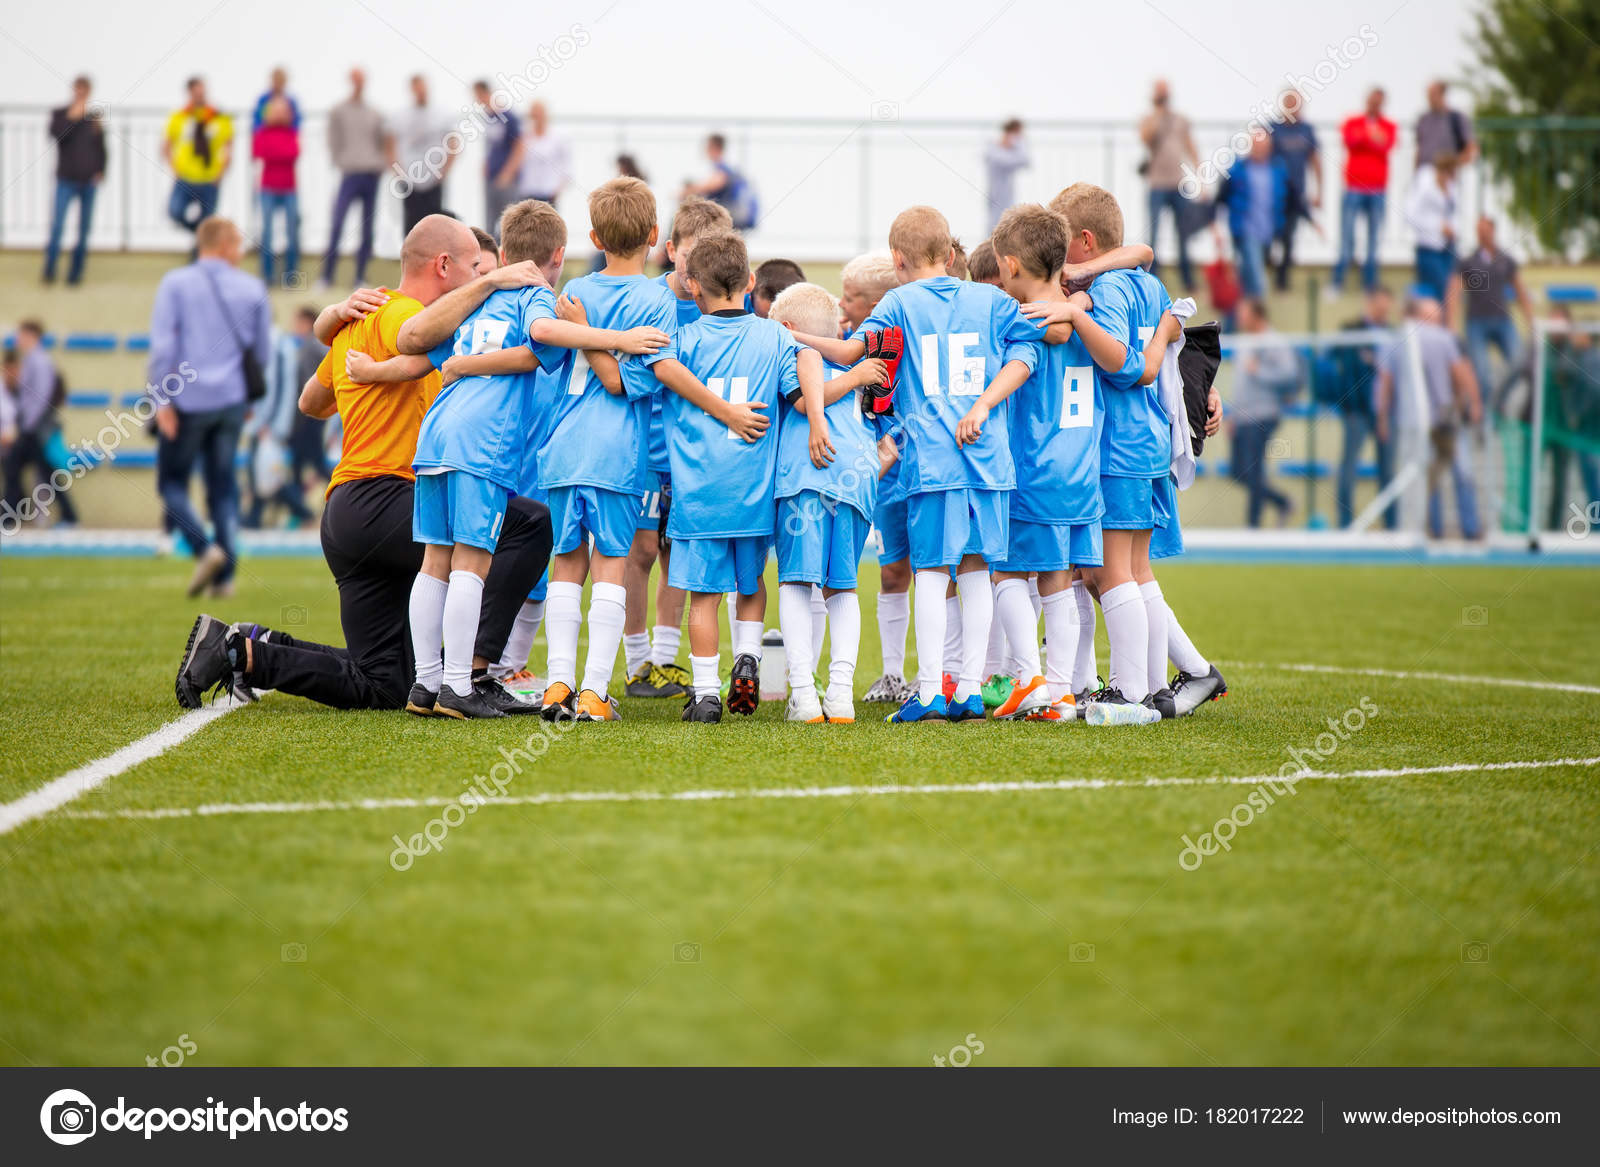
(1128, 629)
(1061, 634)
(1013, 610)
(519, 645)
(977, 614)
(635, 650)
(1181, 650)
(794, 621)
(462, 604)
(931, 616)
(952, 633)
(608, 610)
(1038, 609)
(819, 624)
(704, 669)
(844, 643)
(1084, 670)
(996, 660)
(664, 643)
(894, 617)
(1155, 613)
(427, 629)
(563, 621)
(747, 634)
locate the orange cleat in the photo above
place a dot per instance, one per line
(593, 707)
(1025, 698)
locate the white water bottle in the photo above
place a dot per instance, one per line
(774, 666)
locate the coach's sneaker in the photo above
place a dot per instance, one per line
(707, 709)
(209, 660)
(557, 702)
(422, 701)
(804, 707)
(473, 707)
(969, 710)
(890, 688)
(593, 707)
(744, 686)
(839, 707)
(1023, 700)
(914, 711)
(1110, 707)
(675, 676)
(1162, 702)
(497, 694)
(1190, 692)
(997, 690)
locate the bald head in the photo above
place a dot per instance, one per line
(437, 256)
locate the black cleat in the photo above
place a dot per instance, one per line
(1164, 703)
(501, 698)
(471, 707)
(421, 701)
(207, 663)
(1191, 692)
(708, 709)
(652, 681)
(744, 689)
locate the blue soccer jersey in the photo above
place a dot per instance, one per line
(600, 439)
(958, 335)
(1136, 439)
(852, 477)
(480, 424)
(1055, 439)
(688, 313)
(721, 484)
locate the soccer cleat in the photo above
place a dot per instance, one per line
(649, 680)
(421, 701)
(997, 689)
(677, 675)
(1163, 703)
(207, 662)
(1022, 700)
(525, 685)
(501, 697)
(1190, 692)
(707, 709)
(557, 702)
(473, 707)
(744, 686)
(806, 709)
(969, 710)
(1086, 695)
(914, 711)
(593, 707)
(1064, 710)
(947, 686)
(1110, 707)
(840, 710)
(891, 687)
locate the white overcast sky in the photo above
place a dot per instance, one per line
(933, 58)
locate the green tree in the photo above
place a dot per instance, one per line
(1539, 115)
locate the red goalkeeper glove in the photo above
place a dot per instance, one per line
(888, 346)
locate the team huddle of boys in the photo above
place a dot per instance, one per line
(1006, 439)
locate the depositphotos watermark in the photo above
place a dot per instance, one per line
(69, 1117)
(1222, 833)
(961, 1054)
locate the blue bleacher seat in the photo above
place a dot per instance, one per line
(1572, 293)
(93, 342)
(88, 399)
(138, 342)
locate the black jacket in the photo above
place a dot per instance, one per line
(82, 146)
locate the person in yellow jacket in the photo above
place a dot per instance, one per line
(198, 147)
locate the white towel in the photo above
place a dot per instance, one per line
(1169, 384)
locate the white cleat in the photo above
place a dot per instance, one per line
(839, 708)
(804, 708)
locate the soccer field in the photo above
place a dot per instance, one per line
(756, 892)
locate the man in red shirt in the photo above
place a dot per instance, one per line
(276, 145)
(1368, 138)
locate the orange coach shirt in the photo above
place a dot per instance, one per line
(380, 421)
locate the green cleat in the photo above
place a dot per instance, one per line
(996, 690)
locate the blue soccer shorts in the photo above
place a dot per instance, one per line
(719, 565)
(820, 540)
(1052, 546)
(944, 526)
(453, 507)
(577, 512)
(889, 519)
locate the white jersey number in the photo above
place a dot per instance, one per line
(1077, 398)
(738, 394)
(966, 370)
(484, 336)
(578, 377)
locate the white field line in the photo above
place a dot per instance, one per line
(1399, 675)
(571, 796)
(85, 778)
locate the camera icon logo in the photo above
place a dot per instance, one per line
(1081, 954)
(294, 615)
(1475, 616)
(886, 111)
(293, 953)
(686, 953)
(1475, 952)
(1476, 280)
(1278, 449)
(68, 1117)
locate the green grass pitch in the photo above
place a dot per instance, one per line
(1446, 916)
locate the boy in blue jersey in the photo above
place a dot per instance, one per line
(824, 515)
(651, 655)
(722, 515)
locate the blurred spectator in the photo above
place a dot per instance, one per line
(276, 145)
(1489, 279)
(628, 167)
(546, 159)
(1166, 136)
(1448, 397)
(503, 160)
(1442, 130)
(1431, 212)
(308, 454)
(356, 144)
(1368, 138)
(1265, 378)
(1572, 418)
(271, 424)
(1255, 192)
(727, 187)
(8, 412)
(1002, 160)
(277, 88)
(418, 152)
(198, 147)
(80, 165)
(1294, 142)
(38, 393)
(1358, 382)
(206, 315)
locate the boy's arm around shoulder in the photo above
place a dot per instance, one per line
(746, 419)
